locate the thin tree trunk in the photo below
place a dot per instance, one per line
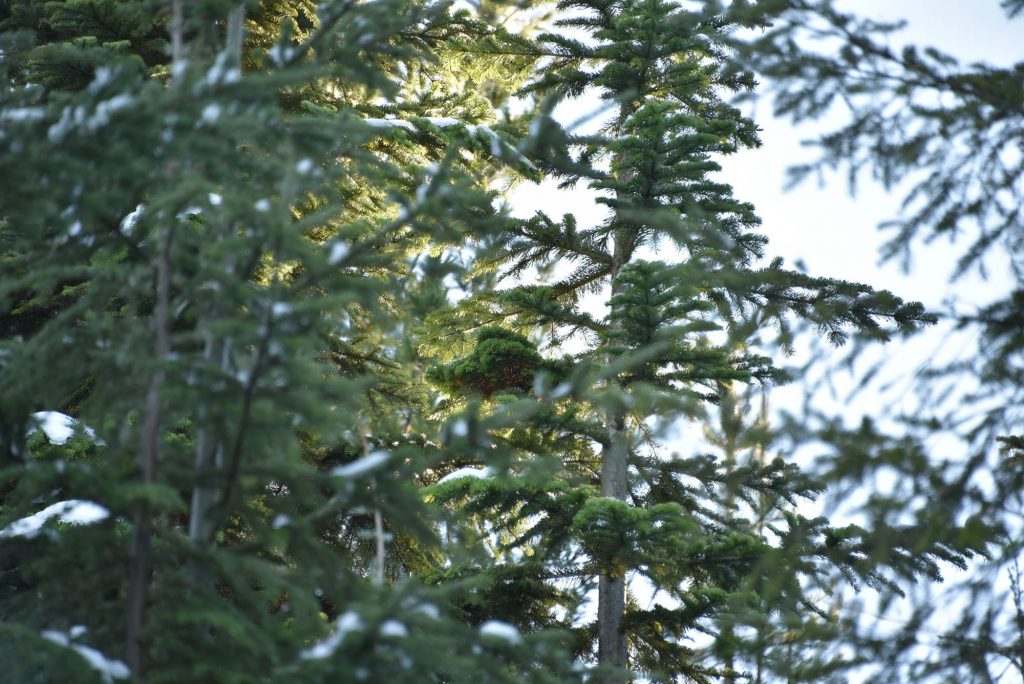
(730, 425)
(611, 597)
(142, 549)
(209, 459)
(380, 560)
(611, 591)
(177, 30)
(378, 532)
(210, 452)
(142, 552)
(235, 34)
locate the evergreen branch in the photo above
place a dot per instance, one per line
(538, 305)
(585, 277)
(327, 24)
(832, 305)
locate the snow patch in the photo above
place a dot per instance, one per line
(101, 78)
(211, 113)
(443, 121)
(421, 192)
(108, 668)
(390, 123)
(428, 609)
(367, 463)
(178, 69)
(281, 54)
(215, 199)
(561, 390)
(393, 628)
(73, 512)
(22, 114)
(349, 622)
(477, 473)
(501, 630)
(219, 72)
(339, 250)
(496, 142)
(101, 117)
(59, 427)
(68, 117)
(83, 513)
(129, 221)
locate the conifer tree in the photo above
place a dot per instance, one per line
(615, 502)
(209, 220)
(221, 226)
(943, 133)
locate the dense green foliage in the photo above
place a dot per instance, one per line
(501, 362)
(202, 260)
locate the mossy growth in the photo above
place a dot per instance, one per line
(503, 362)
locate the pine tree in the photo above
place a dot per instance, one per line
(207, 248)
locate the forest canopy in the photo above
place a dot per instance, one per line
(289, 391)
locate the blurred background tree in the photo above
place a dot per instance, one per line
(214, 219)
(947, 135)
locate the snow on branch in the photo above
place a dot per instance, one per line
(469, 471)
(72, 512)
(348, 622)
(59, 427)
(359, 467)
(108, 668)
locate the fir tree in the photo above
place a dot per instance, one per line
(618, 503)
(207, 247)
(948, 130)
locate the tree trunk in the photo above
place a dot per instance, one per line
(204, 495)
(611, 596)
(611, 591)
(210, 451)
(142, 552)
